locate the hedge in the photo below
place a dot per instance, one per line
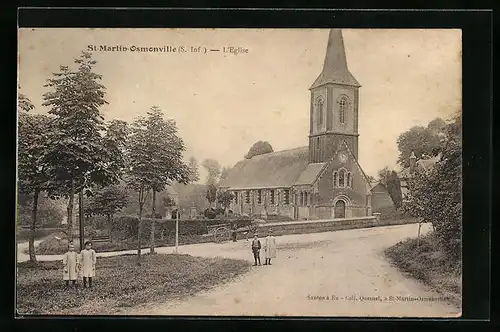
(125, 226)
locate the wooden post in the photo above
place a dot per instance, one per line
(177, 232)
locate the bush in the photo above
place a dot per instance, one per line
(428, 262)
(210, 213)
(125, 227)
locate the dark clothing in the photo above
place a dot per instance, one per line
(234, 232)
(256, 256)
(72, 282)
(85, 281)
(256, 244)
(256, 250)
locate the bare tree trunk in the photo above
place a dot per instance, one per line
(153, 213)
(70, 210)
(141, 198)
(31, 245)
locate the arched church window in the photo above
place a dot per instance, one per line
(335, 178)
(319, 110)
(348, 179)
(341, 178)
(343, 105)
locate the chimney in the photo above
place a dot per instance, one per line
(413, 160)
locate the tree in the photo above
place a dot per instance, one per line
(260, 147)
(24, 103)
(394, 189)
(436, 195)
(194, 175)
(165, 149)
(77, 152)
(214, 169)
(211, 193)
(106, 201)
(225, 172)
(33, 172)
(392, 183)
(225, 198)
(420, 140)
(157, 157)
(437, 126)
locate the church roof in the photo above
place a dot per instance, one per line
(310, 174)
(271, 170)
(335, 66)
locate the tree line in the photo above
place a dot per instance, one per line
(72, 150)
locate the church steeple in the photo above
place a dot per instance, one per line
(334, 104)
(335, 68)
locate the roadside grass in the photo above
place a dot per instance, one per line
(52, 246)
(119, 283)
(429, 264)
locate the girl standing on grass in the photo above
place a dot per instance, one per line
(70, 265)
(88, 257)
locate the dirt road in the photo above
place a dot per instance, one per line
(341, 273)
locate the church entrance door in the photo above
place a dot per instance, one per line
(340, 209)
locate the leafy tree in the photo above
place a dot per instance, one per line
(168, 201)
(194, 175)
(156, 153)
(165, 150)
(437, 126)
(436, 195)
(224, 173)
(33, 172)
(420, 140)
(211, 194)
(260, 147)
(24, 103)
(392, 183)
(106, 201)
(214, 169)
(77, 151)
(225, 198)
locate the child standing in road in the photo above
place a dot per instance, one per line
(70, 265)
(88, 257)
(256, 249)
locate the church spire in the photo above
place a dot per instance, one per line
(335, 66)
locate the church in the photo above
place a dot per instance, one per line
(323, 180)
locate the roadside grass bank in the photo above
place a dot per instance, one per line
(429, 264)
(120, 283)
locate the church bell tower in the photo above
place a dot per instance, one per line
(334, 104)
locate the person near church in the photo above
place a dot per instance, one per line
(256, 249)
(88, 258)
(70, 265)
(269, 248)
(234, 230)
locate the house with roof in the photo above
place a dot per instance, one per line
(324, 179)
(424, 164)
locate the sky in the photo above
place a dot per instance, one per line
(223, 103)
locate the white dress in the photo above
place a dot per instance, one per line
(88, 258)
(70, 269)
(270, 247)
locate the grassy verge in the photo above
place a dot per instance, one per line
(429, 263)
(119, 283)
(52, 246)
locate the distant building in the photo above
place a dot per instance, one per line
(423, 164)
(320, 181)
